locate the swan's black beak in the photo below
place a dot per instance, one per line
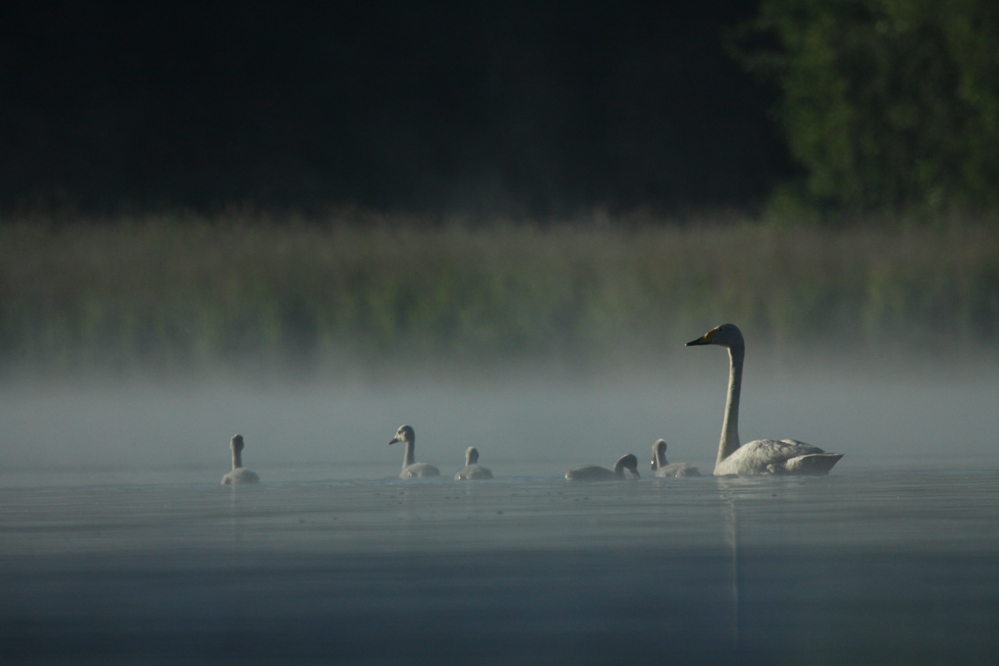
(699, 341)
(393, 442)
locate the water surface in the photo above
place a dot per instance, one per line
(117, 545)
(872, 567)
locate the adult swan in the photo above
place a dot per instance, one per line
(763, 456)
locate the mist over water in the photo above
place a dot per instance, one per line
(522, 425)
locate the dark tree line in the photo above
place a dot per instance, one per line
(499, 105)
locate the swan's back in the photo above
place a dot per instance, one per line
(590, 473)
(419, 471)
(239, 475)
(813, 463)
(676, 470)
(596, 473)
(773, 456)
(472, 471)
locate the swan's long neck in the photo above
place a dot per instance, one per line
(237, 459)
(408, 459)
(730, 426)
(660, 455)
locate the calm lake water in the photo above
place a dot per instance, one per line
(869, 567)
(117, 545)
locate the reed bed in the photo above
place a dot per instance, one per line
(188, 292)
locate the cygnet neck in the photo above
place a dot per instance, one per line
(410, 455)
(659, 453)
(626, 462)
(237, 458)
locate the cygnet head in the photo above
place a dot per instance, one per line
(726, 335)
(658, 454)
(405, 433)
(471, 456)
(627, 462)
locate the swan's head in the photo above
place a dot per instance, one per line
(658, 454)
(627, 462)
(726, 335)
(471, 455)
(405, 433)
(236, 443)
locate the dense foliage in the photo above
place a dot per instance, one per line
(890, 105)
(156, 292)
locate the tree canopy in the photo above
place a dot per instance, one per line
(889, 105)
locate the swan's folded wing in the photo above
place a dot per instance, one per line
(419, 471)
(677, 470)
(473, 473)
(802, 448)
(814, 463)
(770, 456)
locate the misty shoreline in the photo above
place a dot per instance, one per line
(170, 295)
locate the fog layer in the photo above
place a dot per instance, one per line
(521, 427)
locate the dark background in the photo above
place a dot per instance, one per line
(496, 106)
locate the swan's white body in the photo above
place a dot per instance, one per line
(239, 474)
(665, 469)
(472, 471)
(762, 456)
(410, 469)
(771, 456)
(596, 473)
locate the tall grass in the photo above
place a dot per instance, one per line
(198, 292)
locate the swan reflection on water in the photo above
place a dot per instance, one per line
(730, 520)
(762, 456)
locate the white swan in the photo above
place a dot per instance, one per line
(472, 470)
(410, 469)
(239, 474)
(664, 469)
(595, 473)
(762, 456)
